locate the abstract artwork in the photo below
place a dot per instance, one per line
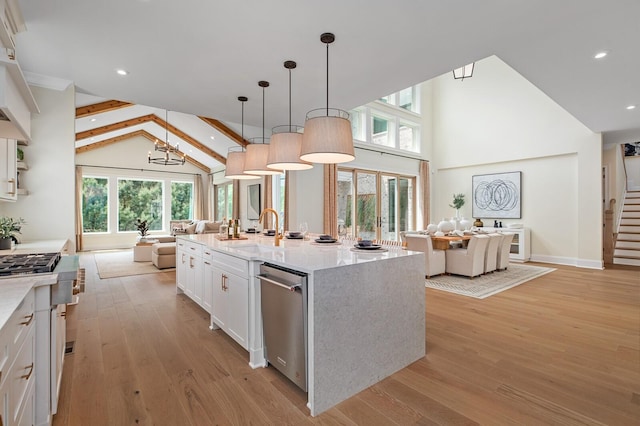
(497, 196)
(631, 149)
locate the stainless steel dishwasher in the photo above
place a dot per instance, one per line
(284, 320)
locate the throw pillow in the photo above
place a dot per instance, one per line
(200, 226)
(191, 229)
(211, 227)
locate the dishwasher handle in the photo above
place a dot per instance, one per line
(263, 277)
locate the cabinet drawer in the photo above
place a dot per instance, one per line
(194, 249)
(21, 322)
(22, 376)
(207, 254)
(231, 264)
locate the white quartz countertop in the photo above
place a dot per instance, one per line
(13, 291)
(305, 256)
(43, 246)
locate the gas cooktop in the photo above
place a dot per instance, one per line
(21, 264)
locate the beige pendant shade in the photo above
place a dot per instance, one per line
(284, 152)
(235, 166)
(256, 160)
(327, 139)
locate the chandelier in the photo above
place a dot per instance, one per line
(172, 155)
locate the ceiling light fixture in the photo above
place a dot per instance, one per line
(464, 72)
(630, 107)
(286, 141)
(258, 151)
(234, 168)
(172, 155)
(327, 134)
(600, 55)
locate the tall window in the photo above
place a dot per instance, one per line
(95, 204)
(181, 200)
(224, 201)
(277, 195)
(139, 199)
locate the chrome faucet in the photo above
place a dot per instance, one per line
(278, 237)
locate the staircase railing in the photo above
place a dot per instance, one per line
(609, 236)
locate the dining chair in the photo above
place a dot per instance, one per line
(491, 255)
(502, 258)
(470, 261)
(434, 258)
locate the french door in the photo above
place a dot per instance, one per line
(375, 205)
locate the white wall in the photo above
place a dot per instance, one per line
(49, 208)
(497, 122)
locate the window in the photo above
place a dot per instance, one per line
(383, 133)
(278, 183)
(181, 200)
(139, 199)
(405, 99)
(224, 201)
(95, 204)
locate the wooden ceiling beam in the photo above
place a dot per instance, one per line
(143, 133)
(222, 128)
(114, 126)
(195, 143)
(112, 105)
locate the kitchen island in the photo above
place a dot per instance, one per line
(365, 310)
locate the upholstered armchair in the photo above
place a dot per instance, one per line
(503, 252)
(491, 255)
(435, 259)
(470, 261)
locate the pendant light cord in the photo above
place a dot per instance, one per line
(263, 114)
(327, 79)
(289, 100)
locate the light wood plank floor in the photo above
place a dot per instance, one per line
(563, 349)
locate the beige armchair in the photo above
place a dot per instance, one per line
(435, 259)
(503, 252)
(469, 261)
(491, 255)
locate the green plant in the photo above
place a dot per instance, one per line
(458, 201)
(20, 154)
(142, 226)
(10, 226)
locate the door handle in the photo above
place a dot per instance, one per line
(26, 376)
(27, 322)
(13, 186)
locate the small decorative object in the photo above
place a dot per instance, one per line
(445, 226)
(432, 228)
(500, 223)
(143, 229)
(20, 154)
(478, 223)
(495, 223)
(465, 224)
(223, 229)
(9, 227)
(458, 202)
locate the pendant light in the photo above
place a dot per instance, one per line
(236, 155)
(172, 155)
(464, 72)
(327, 131)
(286, 141)
(258, 151)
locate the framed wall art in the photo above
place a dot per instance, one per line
(497, 196)
(253, 202)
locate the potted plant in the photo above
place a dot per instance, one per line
(143, 229)
(458, 202)
(8, 228)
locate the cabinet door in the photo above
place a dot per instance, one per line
(207, 279)
(237, 291)
(181, 273)
(198, 281)
(218, 297)
(190, 283)
(4, 401)
(8, 169)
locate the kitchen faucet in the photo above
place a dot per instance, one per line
(275, 213)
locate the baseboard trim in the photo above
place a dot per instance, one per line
(569, 261)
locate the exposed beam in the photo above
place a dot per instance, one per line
(100, 107)
(222, 128)
(160, 122)
(143, 133)
(114, 126)
(182, 135)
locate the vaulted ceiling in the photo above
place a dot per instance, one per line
(197, 57)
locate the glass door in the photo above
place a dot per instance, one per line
(367, 218)
(396, 206)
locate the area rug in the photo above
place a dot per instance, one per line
(112, 264)
(487, 285)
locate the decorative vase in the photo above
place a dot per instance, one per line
(432, 228)
(465, 224)
(5, 243)
(455, 223)
(478, 223)
(445, 226)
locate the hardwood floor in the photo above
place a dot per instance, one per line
(562, 349)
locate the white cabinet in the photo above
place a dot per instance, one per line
(520, 246)
(8, 170)
(230, 305)
(181, 266)
(17, 357)
(190, 270)
(207, 280)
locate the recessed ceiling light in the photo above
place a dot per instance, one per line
(631, 107)
(93, 119)
(122, 72)
(600, 55)
(213, 138)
